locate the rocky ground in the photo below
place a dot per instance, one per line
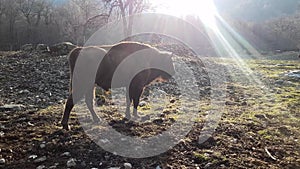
(259, 127)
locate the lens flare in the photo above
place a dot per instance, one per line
(205, 9)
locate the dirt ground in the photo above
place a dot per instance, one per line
(259, 127)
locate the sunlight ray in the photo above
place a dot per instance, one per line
(206, 10)
(226, 41)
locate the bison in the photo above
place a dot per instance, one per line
(102, 75)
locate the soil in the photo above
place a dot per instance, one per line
(259, 127)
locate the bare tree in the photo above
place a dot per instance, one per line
(1, 10)
(32, 11)
(83, 19)
(89, 12)
(11, 14)
(48, 12)
(46, 21)
(127, 8)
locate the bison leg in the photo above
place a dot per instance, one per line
(136, 100)
(89, 96)
(128, 102)
(68, 108)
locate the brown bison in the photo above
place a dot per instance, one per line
(104, 73)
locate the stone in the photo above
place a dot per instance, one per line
(172, 101)
(279, 82)
(158, 121)
(11, 107)
(42, 48)
(27, 47)
(2, 161)
(83, 164)
(293, 74)
(52, 167)
(66, 154)
(142, 103)
(71, 162)
(62, 48)
(1, 133)
(41, 167)
(24, 91)
(32, 157)
(208, 165)
(41, 159)
(145, 118)
(42, 145)
(261, 116)
(127, 165)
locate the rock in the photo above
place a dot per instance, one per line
(261, 116)
(42, 145)
(158, 121)
(32, 157)
(62, 48)
(280, 65)
(30, 124)
(71, 162)
(127, 165)
(66, 154)
(223, 166)
(293, 74)
(158, 167)
(208, 165)
(229, 103)
(279, 82)
(100, 101)
(145, 118)
(24, 91)
(54, 166)
(1, 133)
(41, 167)
(172, 101)
(104, 141)
(42, 48)
(2, 161)
(83, 164)
(234, 140)
(142, 103)
(208, 141)
(11, 107)
(285, 130)
(244, 103)
(27, 47)
(41, 159)
(167, 111)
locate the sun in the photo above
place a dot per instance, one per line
(204, 9)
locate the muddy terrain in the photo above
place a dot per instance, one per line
(259, 126)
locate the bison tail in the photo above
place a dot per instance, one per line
(73, 55)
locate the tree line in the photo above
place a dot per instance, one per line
(53, 21)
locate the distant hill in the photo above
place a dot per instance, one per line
(265, 36)
(257, 10)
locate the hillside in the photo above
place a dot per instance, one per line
(259, 127)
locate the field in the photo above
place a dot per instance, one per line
(258, 128)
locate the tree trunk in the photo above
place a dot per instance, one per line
(122, 9)
(130, 19)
